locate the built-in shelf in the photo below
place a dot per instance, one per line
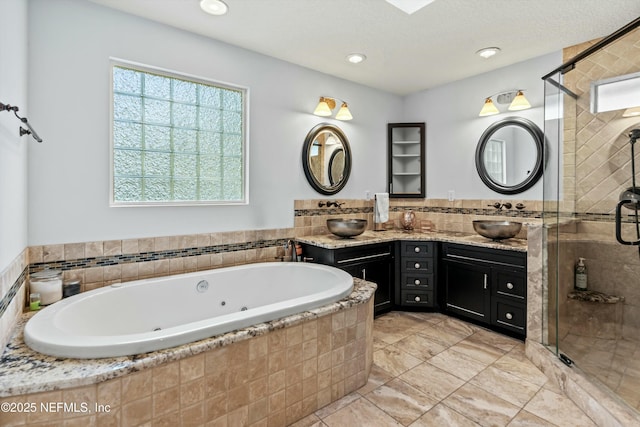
(406, 151)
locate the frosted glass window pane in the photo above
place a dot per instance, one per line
(184, 115)
(127, 162)
(210, 167)
(185, 140)
(185, 189)
(232, 145)
(210, 119)
(157, 138)
(128, 189)
(127, 81)
(127, 135)
(127, 107)
(176, 140)
(157, 163)
(157, 86)
(156, 111)
(232, 122)
(210, 96)
(156, 188)
(184, 91)
(232, 100)
(185, 165)
(209, 142)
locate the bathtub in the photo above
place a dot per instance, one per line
(153, 314)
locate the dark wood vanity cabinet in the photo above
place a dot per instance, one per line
(486, 285)
(416, 274)
(374, 263)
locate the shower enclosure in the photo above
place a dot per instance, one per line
(592, 115)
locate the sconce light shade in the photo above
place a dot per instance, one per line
(322, 109)
(488, 109)
(631, 112)
(344, 113)
(326, 105)
(519, 102)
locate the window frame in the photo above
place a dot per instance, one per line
(113, 62)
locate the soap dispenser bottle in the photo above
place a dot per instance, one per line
(581, 275)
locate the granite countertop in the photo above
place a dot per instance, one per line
(330, 241)
(23, 370)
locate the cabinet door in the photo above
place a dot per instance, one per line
(381, 273)
(468, 290)
(406, 159)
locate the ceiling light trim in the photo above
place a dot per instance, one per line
(214, 7)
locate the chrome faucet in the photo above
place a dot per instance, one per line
(499, 205)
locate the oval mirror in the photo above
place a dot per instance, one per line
(509, 155)
(326, 158)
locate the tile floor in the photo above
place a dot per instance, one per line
(434, 370)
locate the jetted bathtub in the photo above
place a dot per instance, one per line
(153, 314)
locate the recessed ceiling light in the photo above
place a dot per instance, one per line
(214, 7)
(356, 58)
(409, 6)
(488, 52)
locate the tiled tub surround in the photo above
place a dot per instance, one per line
(12, 294)
(272, 373)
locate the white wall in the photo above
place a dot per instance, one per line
(70, 45)
(454, 128)
(13, 148)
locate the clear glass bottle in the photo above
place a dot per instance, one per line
(48, 283)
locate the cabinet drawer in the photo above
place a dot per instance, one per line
(511, 316)
(414, 248)
(417, 281)
(413, 265)
(511, 285)
(416, 298)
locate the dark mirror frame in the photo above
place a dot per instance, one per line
(306, 150)
(536, 173)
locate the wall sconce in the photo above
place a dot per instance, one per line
(327, 104)
(515, 98)
(30, 131)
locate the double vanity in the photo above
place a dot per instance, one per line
(461, 274)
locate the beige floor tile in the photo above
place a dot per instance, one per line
(506, 386)
(377, 377)
(394, 361)
(558, 409)
(402, 401)
(337, 405)
(443, 416)
(440, 335)
(458, 364)
(481, 406)
(309, 421)
(478, 350)
(420, 346)
(516, 363)
(527, 419)
(496, 340)
(432, 381)
(360, 413)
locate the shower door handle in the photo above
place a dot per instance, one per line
(619, 224)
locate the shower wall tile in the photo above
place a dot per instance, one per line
(12, 294)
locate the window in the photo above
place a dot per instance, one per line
(176, 139)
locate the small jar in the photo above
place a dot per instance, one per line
(47, 283)
(70, 288)
(408, 220)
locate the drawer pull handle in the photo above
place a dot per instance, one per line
(416, 249)
(509, 316)
(417, 281)
(485, 280)
(509, 285)
(417, 299)
(416, 265)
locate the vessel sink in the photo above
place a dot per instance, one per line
(346, 227)
(497, 230)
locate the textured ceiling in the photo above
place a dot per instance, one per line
(405, 53)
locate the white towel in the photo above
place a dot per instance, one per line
(381, 208)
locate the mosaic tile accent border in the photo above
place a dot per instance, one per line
(604, 217)
(13, 290)
(425, 209)
(103, 261)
